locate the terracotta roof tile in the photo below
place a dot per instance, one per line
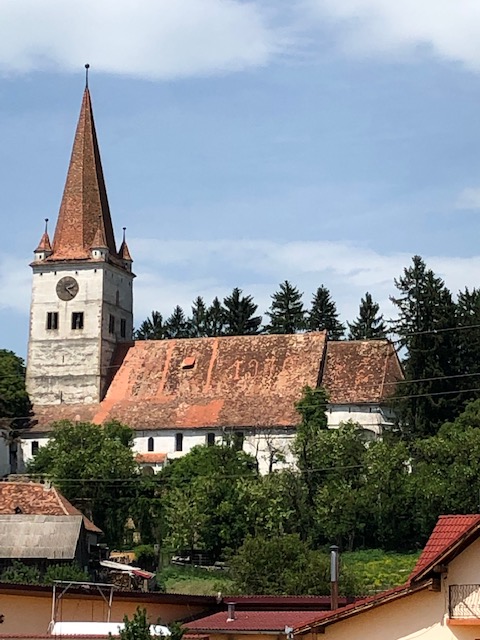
(124, 252)
(274, 621)
(449, 531)
(44, 244)
(84, 201)
(151, 458)
(33, 498)
(361, 371)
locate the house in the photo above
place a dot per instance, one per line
(175, 394)
(39, 526)
(439, 601)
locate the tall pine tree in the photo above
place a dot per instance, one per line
(286, 312)
(240, 318)
(215, 318)
(199, 319)
(468, 335)
(152, 328)
(426, 315)
(369, 325)
(177, 325)
(323, 315)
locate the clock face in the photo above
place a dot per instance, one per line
(67, 288)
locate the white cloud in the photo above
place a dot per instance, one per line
(448, 28)
(469, 199)
(146, 38)
(15, 284)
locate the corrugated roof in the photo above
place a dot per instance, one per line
(35, 498)
(29, 536)
(274, 621)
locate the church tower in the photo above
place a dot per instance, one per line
(81, 306)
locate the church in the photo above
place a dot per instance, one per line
(84, 366)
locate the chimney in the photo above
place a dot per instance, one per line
(231, 612)
(334, 577)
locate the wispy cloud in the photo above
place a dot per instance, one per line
(447, 28)
(469, 199)
(145, 38)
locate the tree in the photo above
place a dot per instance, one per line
(15, 406)
(199, 319)
(177, 325)
(426, 317)
(20, 573)
(215, 318)
(283, 565)
(138, 628)
(468, 335)
(287, 314)
(203, 505)
(152, 328)
(323, 315)
(239, 314)
(94, 467)
(369, 325)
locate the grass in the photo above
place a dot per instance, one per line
(375, 570)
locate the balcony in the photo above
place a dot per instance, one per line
(464, 605)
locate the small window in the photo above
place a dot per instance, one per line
(111, 324)
(179, 442)
(34, 447)
(77, 320)
(52, 320)
(117, 298)
(123, 327)
(210, 439)
(237, 440)
(150, 444)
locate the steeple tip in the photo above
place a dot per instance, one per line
(87, 67)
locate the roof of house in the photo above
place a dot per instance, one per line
(269, 602)
(30, 536)
(450, 536)
(273, 621)
(34, 498)
(361, 371)
(84, 215)
(234, 381)
(150, 458)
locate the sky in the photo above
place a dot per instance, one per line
(245, 143)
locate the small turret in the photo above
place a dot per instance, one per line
(44, 249)
(99, 247)
(124, 253)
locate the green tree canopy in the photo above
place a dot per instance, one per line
(177, 325)
(94, 467)
(239, 314)
(15, 406)
(369, 325)
(215, 319)
(286, 313)
(199, 318)
(152, 328)
(323, 315)
(426, 317)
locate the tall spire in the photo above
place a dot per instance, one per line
(84, 204)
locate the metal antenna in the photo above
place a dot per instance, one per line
(124, 229)
(46, 225)
(87, 67)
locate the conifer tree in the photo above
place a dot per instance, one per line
(369, 325)
(239, 314)
(199, 320)
(287, 314)
(152, 328)
(216, 318)
(468, 335)
(177, 325)
(426, 316)
(323, 315)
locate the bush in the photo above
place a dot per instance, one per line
(20, 573)
(146, 557)
(65, 572)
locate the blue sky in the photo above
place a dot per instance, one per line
(245, 143)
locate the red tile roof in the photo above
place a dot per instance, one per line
(32, 498)
(44, 244)
(274, 621)
(84, 211)
(151, 458)
(361, 371)
(449, 532)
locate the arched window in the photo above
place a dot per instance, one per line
(150, 444)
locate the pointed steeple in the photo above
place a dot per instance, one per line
(44, 249)
(124, 253)
(84, 211)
